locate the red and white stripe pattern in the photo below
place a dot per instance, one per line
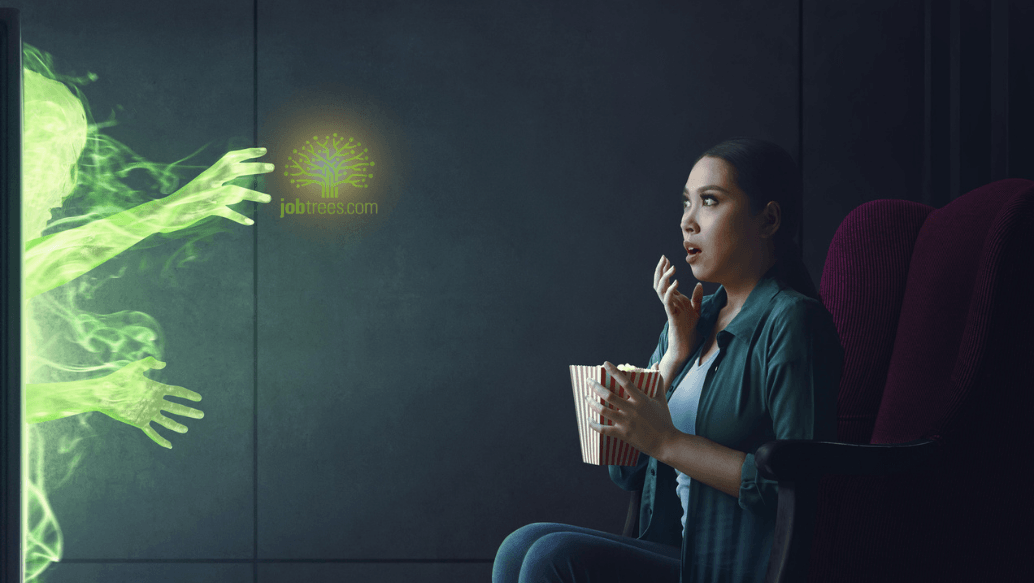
(597, 449)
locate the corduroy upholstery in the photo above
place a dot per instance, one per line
(862, 286)
(939, 344)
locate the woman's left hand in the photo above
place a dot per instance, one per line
(642, 422)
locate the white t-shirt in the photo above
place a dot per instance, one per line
(683, 406)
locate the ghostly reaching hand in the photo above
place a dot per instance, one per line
(208, 195)
(128, 396)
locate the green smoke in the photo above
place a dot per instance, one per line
(107, 178)
(87, 200)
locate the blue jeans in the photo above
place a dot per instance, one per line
(549, 552)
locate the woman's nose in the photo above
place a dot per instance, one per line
(688, 222)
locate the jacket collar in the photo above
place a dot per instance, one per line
(753, 308)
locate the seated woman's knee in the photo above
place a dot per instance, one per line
(522, 538)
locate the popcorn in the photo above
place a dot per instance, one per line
(600, 449)
(629, 368)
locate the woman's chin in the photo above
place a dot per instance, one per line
(698, 273)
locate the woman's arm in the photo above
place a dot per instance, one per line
(680, 337)
(672, 363)
(703, 460)
(800, 383)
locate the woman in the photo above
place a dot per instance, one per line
(756, 361)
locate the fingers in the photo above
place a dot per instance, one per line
(622, 379)
(182, 410)
(182, 393)
(233, 216)
(661, 273)
(243, 169)
(150, 432)
(602, 429)
(235, 171)
(669, 273)
(669, 295)
(674, 283)
(231, 193)
(604, 412)
(245, 154)
(169, 423)
(698, 296)
(608, 396)
(236, 194)
(659, 270)
(682, 302)
(231, 165)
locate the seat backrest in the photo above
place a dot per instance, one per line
(967, 253)
(957, 367)
(862, 286)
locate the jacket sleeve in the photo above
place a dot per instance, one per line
(803, 363)
(632, 477)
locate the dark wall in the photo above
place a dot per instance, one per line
(389, 407)
(863, 112)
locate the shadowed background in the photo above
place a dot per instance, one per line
(389, 407)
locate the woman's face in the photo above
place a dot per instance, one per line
(716, 220)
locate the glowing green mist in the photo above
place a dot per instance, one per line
(69, 164)
(330, 164)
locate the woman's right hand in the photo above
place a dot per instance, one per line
(683, 313)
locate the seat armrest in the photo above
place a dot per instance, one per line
(792, 459)
(799, 464)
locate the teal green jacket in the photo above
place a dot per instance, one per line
(776, 376)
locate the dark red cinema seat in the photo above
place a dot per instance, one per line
(935, 310)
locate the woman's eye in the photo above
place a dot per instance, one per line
(704, 198)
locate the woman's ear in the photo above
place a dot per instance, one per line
(771, 219)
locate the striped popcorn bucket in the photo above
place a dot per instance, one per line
(603, 450)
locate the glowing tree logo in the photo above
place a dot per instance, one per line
(330, 164)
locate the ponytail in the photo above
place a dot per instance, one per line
(790, 268)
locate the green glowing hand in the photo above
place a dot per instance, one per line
(128, 396)
(208, 194)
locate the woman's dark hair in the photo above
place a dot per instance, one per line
(765, 172)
